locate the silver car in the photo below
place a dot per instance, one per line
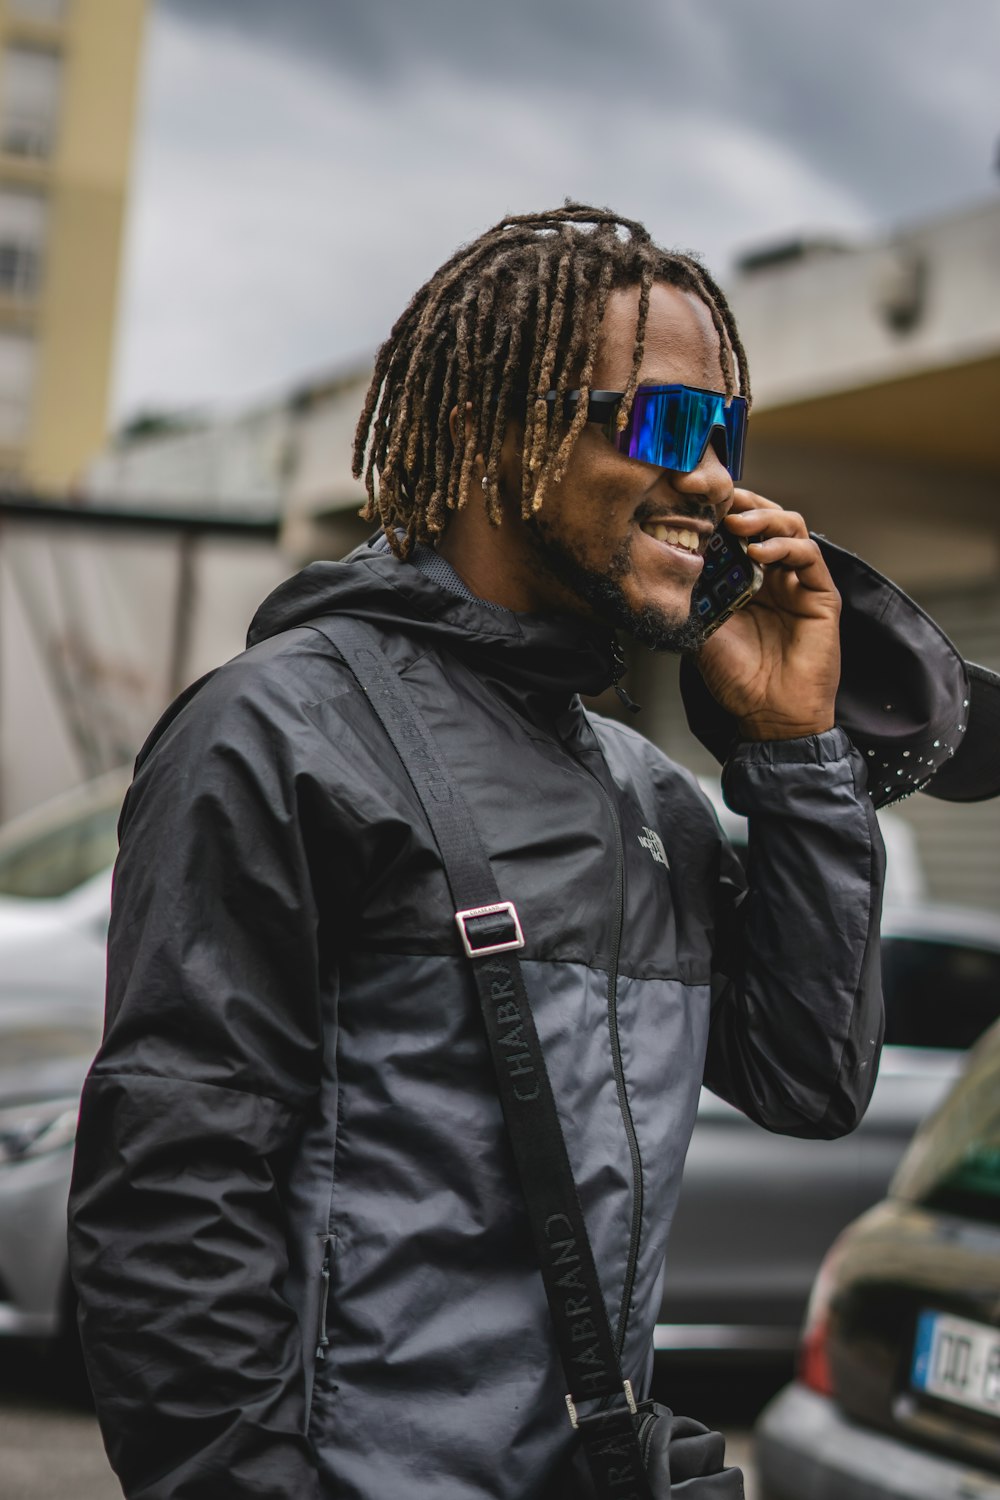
(55, 889)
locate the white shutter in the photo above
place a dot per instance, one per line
(29, 100)
(38, 10)
(17, 374)
(22, 241)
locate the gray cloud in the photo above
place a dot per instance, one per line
(303, 166)
(895, 99)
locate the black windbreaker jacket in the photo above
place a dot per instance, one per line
(301, 1256)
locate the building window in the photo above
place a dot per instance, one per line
(17, 377)
(22, 243)
(29, 101)
(51, 11)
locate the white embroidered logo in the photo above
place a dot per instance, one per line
(650, 839)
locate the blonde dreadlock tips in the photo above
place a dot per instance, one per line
(511, 316)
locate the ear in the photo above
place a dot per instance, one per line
(453, 423)
(457, 437)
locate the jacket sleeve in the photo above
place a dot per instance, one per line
(209, 1065)
(797, 1022)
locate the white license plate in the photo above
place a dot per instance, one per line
(957, 1360)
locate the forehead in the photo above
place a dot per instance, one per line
(681, 345)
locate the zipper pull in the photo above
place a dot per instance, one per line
(324, 1298)
(619, 667)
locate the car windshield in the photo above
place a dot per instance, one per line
(953, 1163)
(54, 860)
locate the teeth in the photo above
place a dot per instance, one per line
(686, 539)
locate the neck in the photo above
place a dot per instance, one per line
(499, 565)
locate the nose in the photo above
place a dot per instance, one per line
(710, 481)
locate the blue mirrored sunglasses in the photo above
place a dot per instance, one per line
(670, 425)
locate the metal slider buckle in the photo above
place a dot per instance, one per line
(462, 917)
(629, 1397)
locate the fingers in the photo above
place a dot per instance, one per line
(797, 554)
(757, 515)
(744, 500)
(781, 540)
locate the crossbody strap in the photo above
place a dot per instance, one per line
(490, 931)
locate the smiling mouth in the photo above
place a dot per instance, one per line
(674, 536)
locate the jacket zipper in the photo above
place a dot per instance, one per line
(323, 1342)
(619, 1072)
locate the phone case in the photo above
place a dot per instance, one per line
(729, 580)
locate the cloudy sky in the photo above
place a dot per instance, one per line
(302, 165)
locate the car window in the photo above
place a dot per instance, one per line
(938, 994)
(61, 858)
(954, 1162)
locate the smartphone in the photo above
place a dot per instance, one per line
(728, 580)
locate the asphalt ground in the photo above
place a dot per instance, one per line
(50, 1447)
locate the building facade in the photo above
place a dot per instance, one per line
(68, 81)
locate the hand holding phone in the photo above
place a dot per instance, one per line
(776, 668)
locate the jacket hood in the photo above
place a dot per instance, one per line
(547, 653)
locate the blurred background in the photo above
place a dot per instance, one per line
(211, 212)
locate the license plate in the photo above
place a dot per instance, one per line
(957, 1360)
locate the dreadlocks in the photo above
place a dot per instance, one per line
(510, 317)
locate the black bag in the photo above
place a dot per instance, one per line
(633, 1452)
(683, 1457)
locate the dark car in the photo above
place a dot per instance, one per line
(758, 1211)
(898, 1393)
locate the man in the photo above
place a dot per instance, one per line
(299, 1244)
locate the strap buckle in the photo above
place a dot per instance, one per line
(629, 1397)
(476, 950)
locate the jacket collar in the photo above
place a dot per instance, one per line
(551, 654)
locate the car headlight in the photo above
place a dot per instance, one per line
(28, 1130)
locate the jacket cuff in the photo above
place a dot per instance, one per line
(762, 772)
(811, 750)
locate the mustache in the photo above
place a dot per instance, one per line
(684, 507)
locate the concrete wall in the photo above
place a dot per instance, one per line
(235, 465)
(99, 629)
(834, 320)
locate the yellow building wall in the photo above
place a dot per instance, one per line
(86, 181)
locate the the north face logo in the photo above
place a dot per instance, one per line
(650, 839)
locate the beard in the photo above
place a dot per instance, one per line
(606, 597)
